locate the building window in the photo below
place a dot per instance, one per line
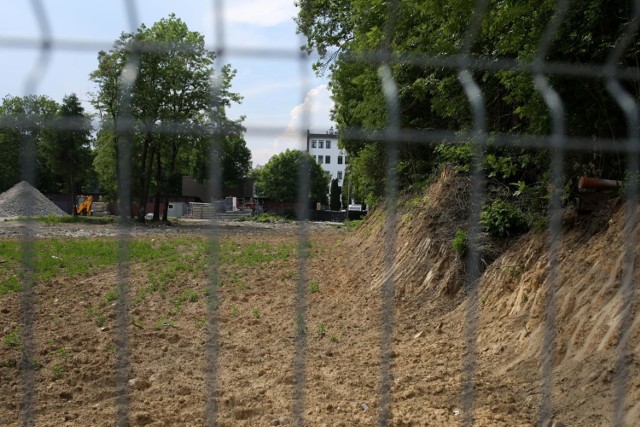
(328, 144)
(339, 160)
(339, 175)
(327, 159)
(320, 159)
(314, 142)
(320, 142)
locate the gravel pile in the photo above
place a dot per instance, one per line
(24, 200)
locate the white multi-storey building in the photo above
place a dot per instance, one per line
(324, 149)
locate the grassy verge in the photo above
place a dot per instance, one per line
(167, 261)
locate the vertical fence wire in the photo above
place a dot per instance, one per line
(556, 110)
(390, 92)
(212, 344)
(465, 65)
(303, 254)
(626, 293)
(28, 404)
(478, 113)
(124, 128)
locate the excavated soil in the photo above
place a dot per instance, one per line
(256, 329)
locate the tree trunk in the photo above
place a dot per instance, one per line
(145, 177)
(156, 204)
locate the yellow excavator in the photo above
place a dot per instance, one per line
(83, 205)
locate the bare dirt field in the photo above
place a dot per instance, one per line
(75, 326)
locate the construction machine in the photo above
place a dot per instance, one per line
(83, 205)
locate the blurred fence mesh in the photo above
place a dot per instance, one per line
(465, 65)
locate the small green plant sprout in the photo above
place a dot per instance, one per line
(314, 287)
(333, 338)
(13, 340)
(234, 310)
(62, 353)
(188, 295)
(164, 323)
(111, 296)
(58, 370)
(460, 242)
(256, 313)
(321, 330)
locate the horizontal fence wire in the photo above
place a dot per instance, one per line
(465, 64)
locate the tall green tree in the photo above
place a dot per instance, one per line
(432, 97)
(25, 119)
(173, 104)
(66, 147)
(278, 179)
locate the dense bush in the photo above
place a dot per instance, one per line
(460, 242)
(502, 219)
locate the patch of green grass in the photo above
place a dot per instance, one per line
(10, 363)
(333, 338)
(188, 295)
(13, 340)
(10, 285)
(164, 323)
(234, 310)
(96, 315)
(111, 296)
(254, 253)
(58, 370)
(62, 353)
(352, 224)
(321, 329)
(255, 312)
(314, 287)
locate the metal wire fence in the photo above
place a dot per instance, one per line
(464, 64)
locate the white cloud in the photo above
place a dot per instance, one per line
(260, 12)
(312, 114)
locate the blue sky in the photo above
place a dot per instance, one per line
(281, 98)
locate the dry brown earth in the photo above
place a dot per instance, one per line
(256, 323)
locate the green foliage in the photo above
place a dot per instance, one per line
(458, 155)
(67, 150)
(366, 174)
(460, 241)
(173, 86)
(255, 312)
(321, 330)
(12, 340)
(352, 224)
(278, 179)
(314, 287)
(433, 98)
(25, 126)
(502, 219)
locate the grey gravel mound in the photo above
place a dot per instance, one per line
(24, 200)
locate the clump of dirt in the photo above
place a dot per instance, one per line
(24, 200)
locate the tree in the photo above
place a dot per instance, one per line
(25, 120)
(172, 107)
(433, 98)
(66, 146)
(279, 178)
